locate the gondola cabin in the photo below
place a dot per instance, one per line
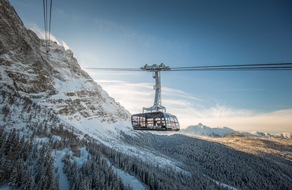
(155, 121)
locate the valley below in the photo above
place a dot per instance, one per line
(232, 162)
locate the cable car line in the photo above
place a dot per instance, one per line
(51, 4)
(156, 117)
(270, 66)
(114, 69)
(45, 15)
(47, 21)
(241, 67)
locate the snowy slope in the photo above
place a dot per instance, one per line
(55, 80)
(203, 130)
(78, 100)
(257, 134)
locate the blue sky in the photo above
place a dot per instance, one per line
(132, 33)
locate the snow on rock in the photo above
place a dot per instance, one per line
(203, 130)
(54, 79)
(79, 101)
(260, 134)
(284, 135)
(257, 134)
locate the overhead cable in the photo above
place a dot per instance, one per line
(47, 8)
(114, 69)
(238, 67)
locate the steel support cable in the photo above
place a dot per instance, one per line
(47, 20)
(50, 20)
(237, 67)
(242, 67)
(114, 69)
(234, 68)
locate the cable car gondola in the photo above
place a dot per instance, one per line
(159, 121)
(155, 117)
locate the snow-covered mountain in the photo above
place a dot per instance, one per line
(47, 100)
(203, 130)
(260, 134)
(54, 79)
(60, 130)
(284, 135)
(257, 134)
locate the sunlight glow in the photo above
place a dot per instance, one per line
(41, 34)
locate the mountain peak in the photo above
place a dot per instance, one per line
(20, 55)
(204, 130)
(53, 79)
(200, 125)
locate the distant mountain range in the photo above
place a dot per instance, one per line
(203, 130)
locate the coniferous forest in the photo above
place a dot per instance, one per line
(29, 150)
(29, 153)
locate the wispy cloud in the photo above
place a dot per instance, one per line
(42, 34)
(133, 96)
(244, 89)
(191, 110)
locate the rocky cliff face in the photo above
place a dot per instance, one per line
(20, 56)
(51, 79)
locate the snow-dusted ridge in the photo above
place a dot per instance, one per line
(81, 102)
(203, 130)
(54, 79)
